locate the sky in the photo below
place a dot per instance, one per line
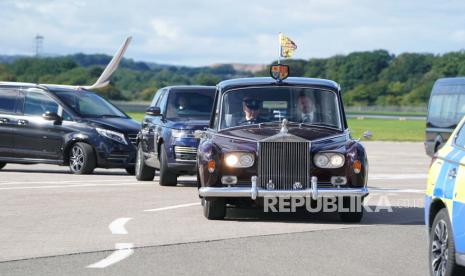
(200, 32)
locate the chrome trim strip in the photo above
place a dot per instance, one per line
(439, 129)
(250, 192)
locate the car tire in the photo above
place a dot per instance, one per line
(352, 216)
(131, 170)
(167, 178)
(2, 165)
(214, 208)
(441, 234)
(82, 158)
(143, 172)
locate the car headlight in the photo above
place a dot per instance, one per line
(329, 160)
(239, 159)
(113, 135)
(182, 133)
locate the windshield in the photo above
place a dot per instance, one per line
(89, 104)
(273, 104)
(190, 104)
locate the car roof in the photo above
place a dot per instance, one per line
(189, 87)
(48, 87)
(267, 81)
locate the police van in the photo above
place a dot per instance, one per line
(445, 109)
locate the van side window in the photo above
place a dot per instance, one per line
(8, 98)
(37, 104)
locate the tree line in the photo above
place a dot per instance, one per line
(367, 78)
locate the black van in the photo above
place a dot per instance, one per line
(445, 110)
(60, 125)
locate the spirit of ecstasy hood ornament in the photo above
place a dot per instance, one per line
(284, 126)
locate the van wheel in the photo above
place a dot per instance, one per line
(167, 178)
(214, 208)
(82, 159)
(143, 172)
(2, 165)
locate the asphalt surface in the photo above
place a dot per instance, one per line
(55, 223)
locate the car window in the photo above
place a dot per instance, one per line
(156, 98)
(36, 104)
(162, 102)
(8, 98)
(460, 139)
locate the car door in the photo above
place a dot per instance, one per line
(9, 101)
(34, 136)
(458, 209)
(151, 130)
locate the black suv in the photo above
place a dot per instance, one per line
(60, 125)
(166, 140)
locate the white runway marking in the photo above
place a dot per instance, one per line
(123, 250)
(172, 207)
(394, 176)
(394, 190)
(55, 182)
(117, 226)
(75, 185)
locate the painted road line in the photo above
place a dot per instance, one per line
(173, 207)
(393, 190)
(75, 186)
(397, 176)
(55, 182)
(123, 250)
(117, 226)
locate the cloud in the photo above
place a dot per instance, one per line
(203, 32)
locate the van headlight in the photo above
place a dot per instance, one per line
(182, 133)
(113, 135)
(329, 160)
(239, 159)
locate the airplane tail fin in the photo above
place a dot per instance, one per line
(104, 78)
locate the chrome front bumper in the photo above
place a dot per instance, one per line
(253, 192)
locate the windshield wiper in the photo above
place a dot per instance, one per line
(109, 116)
(322, 125)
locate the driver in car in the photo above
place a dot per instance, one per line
(307, 109)
(251, 108)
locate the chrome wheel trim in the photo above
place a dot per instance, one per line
(76, 159)
(440, 249)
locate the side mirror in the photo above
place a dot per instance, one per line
(51, 116)
(199, 134)
(153, 111)
(367, 135)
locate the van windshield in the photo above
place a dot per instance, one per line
(89, 105)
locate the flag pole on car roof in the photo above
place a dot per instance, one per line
(279, 47)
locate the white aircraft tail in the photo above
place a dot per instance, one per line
(104, 78)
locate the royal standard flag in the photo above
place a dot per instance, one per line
(287, 46)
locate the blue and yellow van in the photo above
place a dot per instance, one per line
(445, 206)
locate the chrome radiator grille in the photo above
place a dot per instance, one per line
(285, 164)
